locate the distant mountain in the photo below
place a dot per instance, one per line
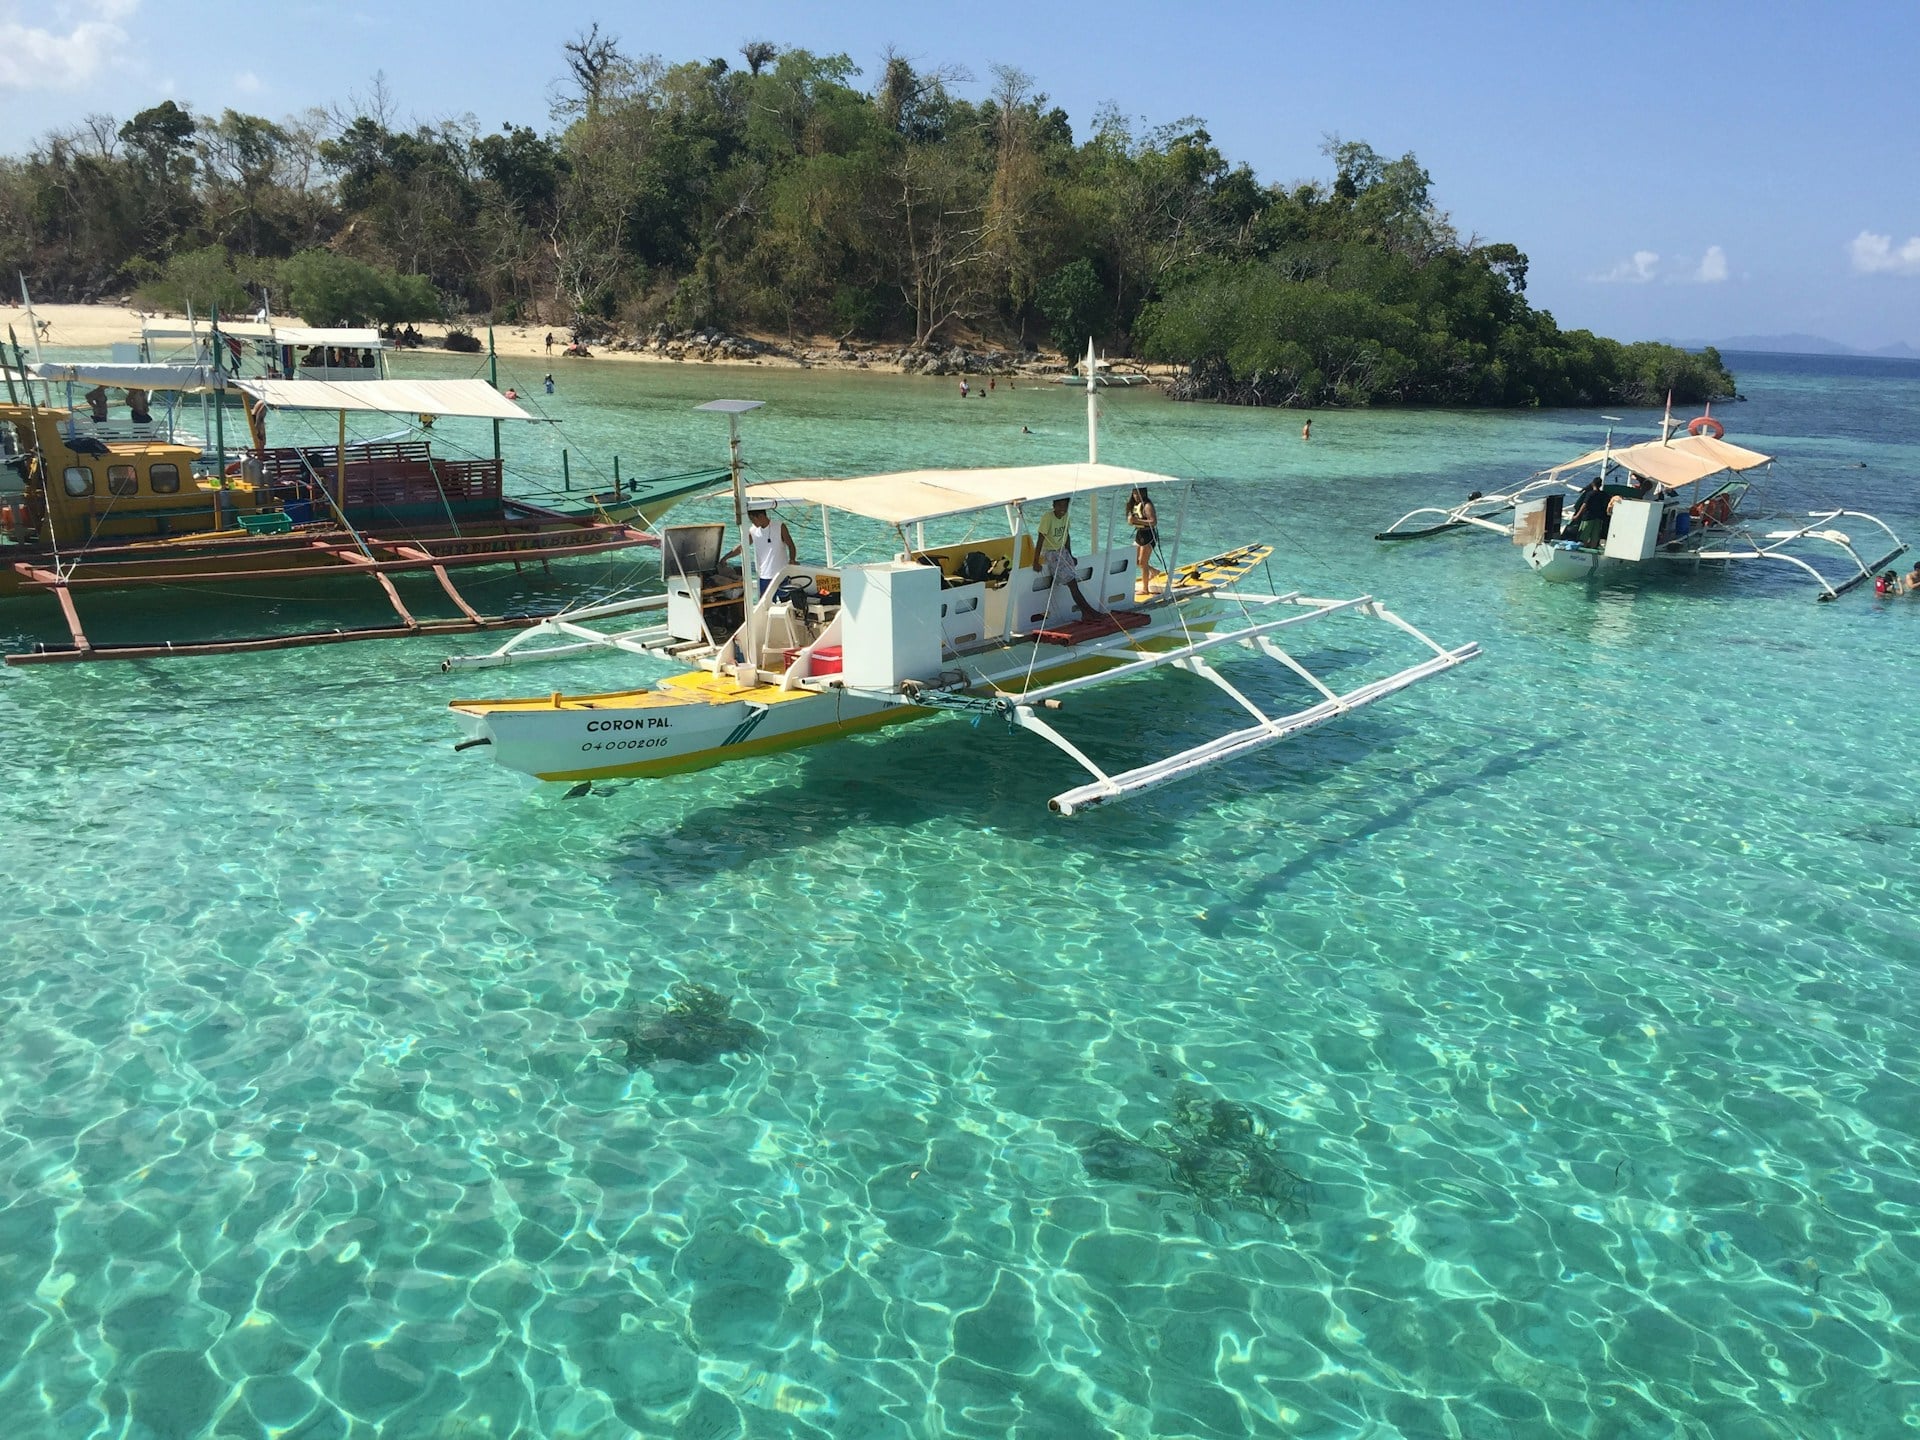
(1786, 344)
(1800, 345)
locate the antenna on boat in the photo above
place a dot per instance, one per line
(1666, 420)
(1606, 451)
(1093, 405)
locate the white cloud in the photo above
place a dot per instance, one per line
(45, 58)
(1874, 255)
(248, 83)
(1713, 266)
(1637, 271)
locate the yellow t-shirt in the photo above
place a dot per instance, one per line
(1053, 533)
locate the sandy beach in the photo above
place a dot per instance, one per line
(98, 326)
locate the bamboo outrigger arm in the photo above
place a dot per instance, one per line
(1022, 709)
(1863, 570)
(1264, 731)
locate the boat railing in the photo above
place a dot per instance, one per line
(339, 372)
(289, 462)
(119, 432)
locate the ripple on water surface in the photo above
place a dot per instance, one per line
(1530, 1055)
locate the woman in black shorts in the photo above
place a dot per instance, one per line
(1146, 534)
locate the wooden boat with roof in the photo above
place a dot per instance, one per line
(977, 624)
(1679, 500)
(105, 509)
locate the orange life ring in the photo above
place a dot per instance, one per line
(1715, 509)
(1706, 425)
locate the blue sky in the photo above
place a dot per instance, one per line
(1686, 171)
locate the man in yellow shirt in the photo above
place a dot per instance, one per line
(1053, 552)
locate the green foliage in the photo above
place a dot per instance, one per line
(331, 289)
(1075, 305)
(524, 168)
(197, 279)
(795, 194)
(1361, 294)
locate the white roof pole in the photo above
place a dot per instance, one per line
(1093, 406)
(733, 410)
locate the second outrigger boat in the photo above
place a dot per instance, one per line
(970, 627)
(1681, 499)
(109, 507)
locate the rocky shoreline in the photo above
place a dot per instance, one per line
(97, 326)
(714, 346)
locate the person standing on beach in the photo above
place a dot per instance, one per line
(549, 342)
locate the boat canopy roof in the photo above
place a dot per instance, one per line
(345, 339)
(202, 329)
(137, 376)
(473, 398)
(916, 495)
(1673, 463)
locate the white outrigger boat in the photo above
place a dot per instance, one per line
(1677, 500)
(831, 649)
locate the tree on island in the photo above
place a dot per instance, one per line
(331, 289)
(792, 193)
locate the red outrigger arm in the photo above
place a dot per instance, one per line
(378, 558)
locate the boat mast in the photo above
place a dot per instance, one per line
(219, 409)
(1093, 406)
(1093, 443)
(493, 379)
(733, 410)
(33, 322)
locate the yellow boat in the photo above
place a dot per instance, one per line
(106, 506)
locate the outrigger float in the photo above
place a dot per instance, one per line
(1678, 500)
(102, 509)
(972, 628)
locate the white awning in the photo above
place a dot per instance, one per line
(135, 376)
(201, 330)
(916, 495)
(1673, 463)
(343, 339)
(474, 398)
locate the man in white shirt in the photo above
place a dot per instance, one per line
(766, 536)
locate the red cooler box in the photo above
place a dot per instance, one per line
(826, 660)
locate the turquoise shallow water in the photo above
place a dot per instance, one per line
(1579, 989)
